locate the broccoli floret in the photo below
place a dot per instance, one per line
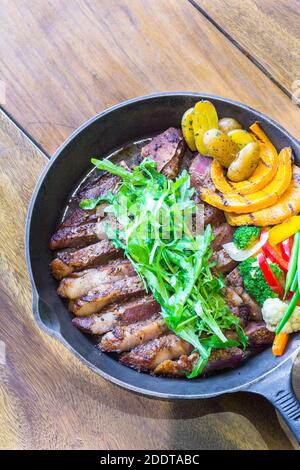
(254, 280)
(246, 236)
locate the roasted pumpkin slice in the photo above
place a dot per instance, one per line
(266, 197)
(259, 133)
(262, 175)
(287, 206)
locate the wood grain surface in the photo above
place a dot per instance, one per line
(267, 30)
(62, 62)
(70, 60)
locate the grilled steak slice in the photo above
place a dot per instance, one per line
(99, 187)
(167, 150)
(77, 284)
(79, 217)
(78, 236)
(212, 215)
(222, 234)
(121, 314)
(200, 170)
(224, 263)
(74, 236)
(138, 310)
(89, 256)
(237, 305)
(219, 359)
(224, 359)
(125, 338)
(178, 368)
(254, 308)
(96, 324)
(148, 356)
(259, 336)
(105, 294)
(235, 280)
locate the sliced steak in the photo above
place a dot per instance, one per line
(222, 234)
(200, 171)
(235, 280)
(80, 216)
(78, 236)
(237, 306)
(107, 293)
(138, 309)
(224, 359)
(77, 284)
(167, 150)
(148, 356)
(123, 313)
(254, 308)
(125, 338)
(219, 359)
(99, 187)
(89, 256)
(224, 263)
(259, 336)
(96, 324)
(75, 236)
(177, 368)
(212, 215)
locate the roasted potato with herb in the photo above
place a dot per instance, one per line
(205, 117)
(245, 163)
(241, 137)
(220, 146)
(187, 129)
(228, 124)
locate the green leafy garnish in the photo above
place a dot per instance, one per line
(155, 234)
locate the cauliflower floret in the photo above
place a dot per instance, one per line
(273, 311)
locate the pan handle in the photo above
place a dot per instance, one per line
(277, 388)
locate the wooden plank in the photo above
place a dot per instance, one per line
(267, 31)
(48, 399)
(70, 60)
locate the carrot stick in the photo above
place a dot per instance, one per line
(280, 343)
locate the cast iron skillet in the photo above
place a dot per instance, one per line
(127, 122)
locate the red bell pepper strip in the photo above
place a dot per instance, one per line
(275, 257)
(269, 275)
(286, 248)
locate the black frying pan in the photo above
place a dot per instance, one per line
(122, 124)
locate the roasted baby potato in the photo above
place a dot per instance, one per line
(205, 118)
(187, 129)
(220, 146)
(228, 124)
(241, 137)
(245, 163)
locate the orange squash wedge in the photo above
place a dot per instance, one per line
(263, 174)
(287, 206)
(259, 133)
(266, 197)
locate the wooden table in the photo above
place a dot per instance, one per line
(62, 62)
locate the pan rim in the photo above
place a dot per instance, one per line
(57, 153)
